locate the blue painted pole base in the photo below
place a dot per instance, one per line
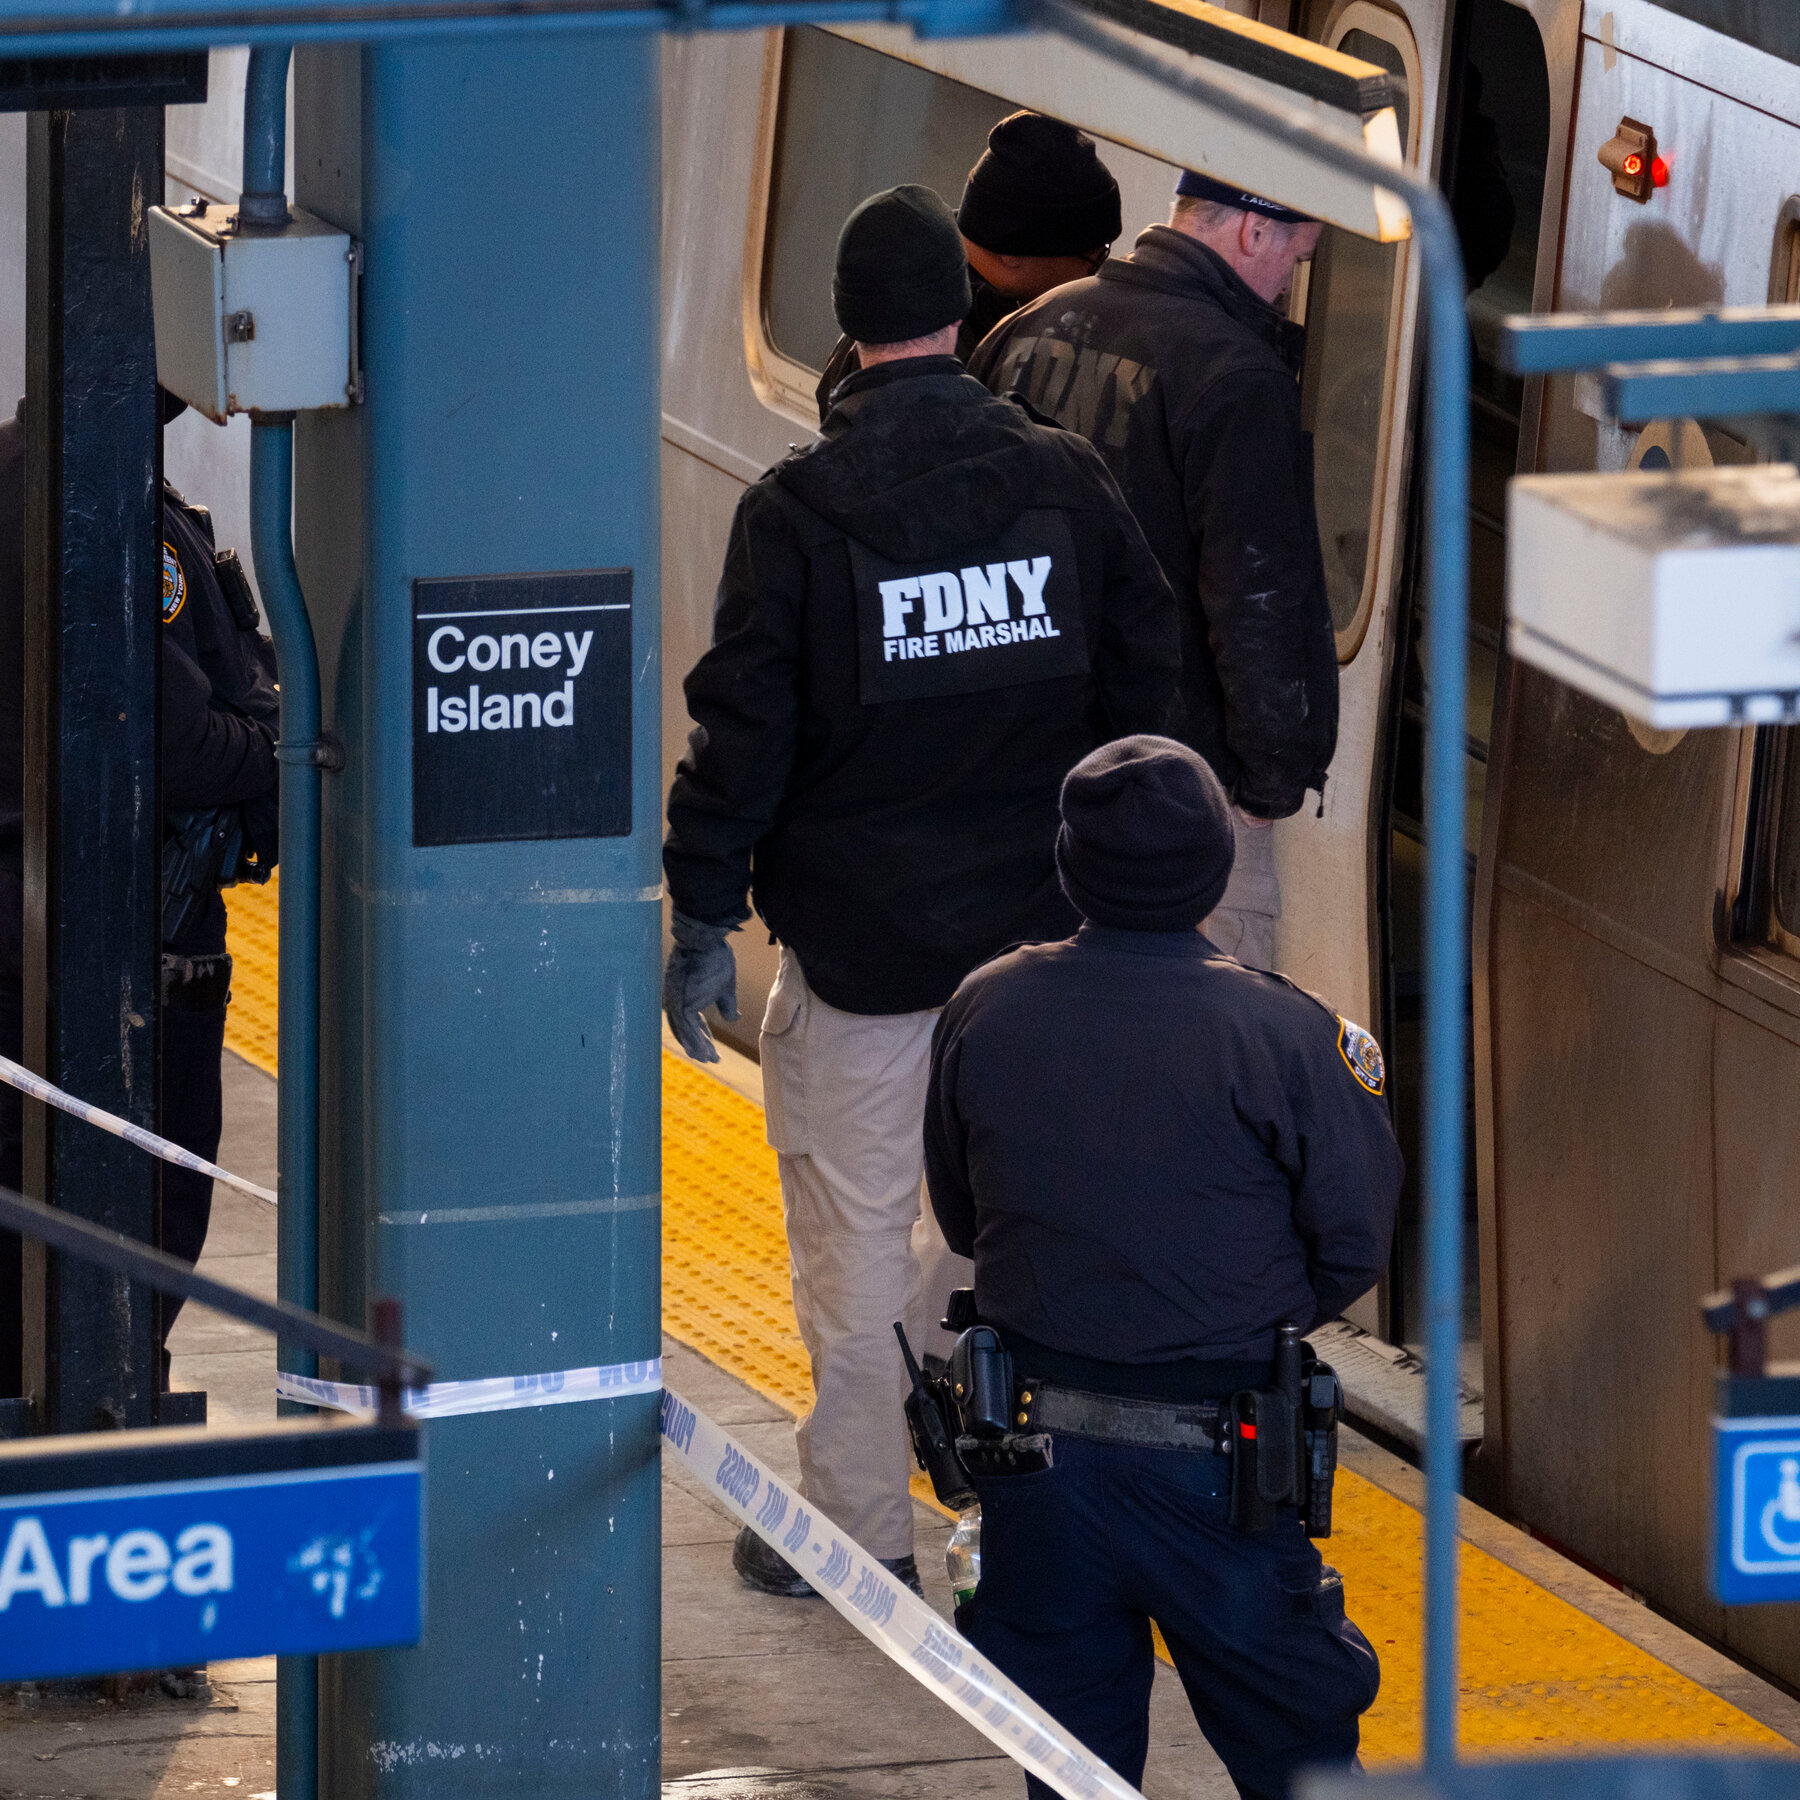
(161, 1549)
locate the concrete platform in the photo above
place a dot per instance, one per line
(783, 1700)
(770, 1699)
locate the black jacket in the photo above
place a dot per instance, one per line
(221, 714)
(990, 307)
(1185, 381)
(886, 783)
(1154, 1153)
(220, 711)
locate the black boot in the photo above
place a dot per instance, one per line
(769, 1572)
(905, 1571)
(766, 1570)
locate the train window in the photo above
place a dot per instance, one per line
(1766, 907)
(1784, 267)
(1351, 303)
(1784, 908)
(842, 121)
(851, 122)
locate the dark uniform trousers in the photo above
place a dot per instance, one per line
(1078, 1559)
(193, 1043)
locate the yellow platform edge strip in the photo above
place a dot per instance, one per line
(1538, 1677)
(250, 936)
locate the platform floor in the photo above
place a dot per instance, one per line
(1555, 1661)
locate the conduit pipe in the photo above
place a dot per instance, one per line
(263, 204)
(1446, 907)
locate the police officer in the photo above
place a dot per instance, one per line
(1156, 1157)
(1039, 208)
(221, 719)
(925, 619)
(1178, 364)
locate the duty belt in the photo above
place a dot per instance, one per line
(1111, 1419)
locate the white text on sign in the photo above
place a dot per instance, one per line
(972, 611)
(450, 650)
(137, 1565)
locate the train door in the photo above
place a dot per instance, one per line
(841, 113)
(1642, 984)
(1493, 159)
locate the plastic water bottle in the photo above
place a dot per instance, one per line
(963, 1555)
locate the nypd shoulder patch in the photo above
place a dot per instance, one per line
(174, 586)
(1361, 1054)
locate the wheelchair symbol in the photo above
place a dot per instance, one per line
(1784, 1509)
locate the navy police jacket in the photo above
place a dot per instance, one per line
(221, 713)
(1185, 382)
(1155, 1154)
(220, 710)
(925, 620)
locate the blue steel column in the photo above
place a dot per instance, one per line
(491, 1042)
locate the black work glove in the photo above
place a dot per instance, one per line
(702, 972)
(262, 836)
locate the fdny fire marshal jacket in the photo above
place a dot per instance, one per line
(925, 620)
(1185, 382)
(1155, 1154)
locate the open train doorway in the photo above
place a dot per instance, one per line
(1496, 152)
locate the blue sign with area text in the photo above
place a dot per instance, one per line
(1756, 1509)
(152, 1574)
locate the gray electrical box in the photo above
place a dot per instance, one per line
(1674, 596)
(253, 321)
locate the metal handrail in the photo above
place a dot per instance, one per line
(170, 1275)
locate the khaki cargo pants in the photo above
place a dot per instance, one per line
(845, 1100)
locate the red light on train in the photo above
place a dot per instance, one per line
(1629, 156)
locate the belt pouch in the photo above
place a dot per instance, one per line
(1263, 1469)
(1324, 1407)
(981, 1377)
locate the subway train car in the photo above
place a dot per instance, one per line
(1636, 895)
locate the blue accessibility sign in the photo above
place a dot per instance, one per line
(1756, 1509)
(159, 1549)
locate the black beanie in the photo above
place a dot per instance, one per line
(1040, 189)
(1146, 840)
(901, 271)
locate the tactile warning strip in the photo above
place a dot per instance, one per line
(726, 1289)
(1538, 1675)
(250, 937)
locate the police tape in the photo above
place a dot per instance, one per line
(15, 1075)
(886, 1611)
(494, 1393)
